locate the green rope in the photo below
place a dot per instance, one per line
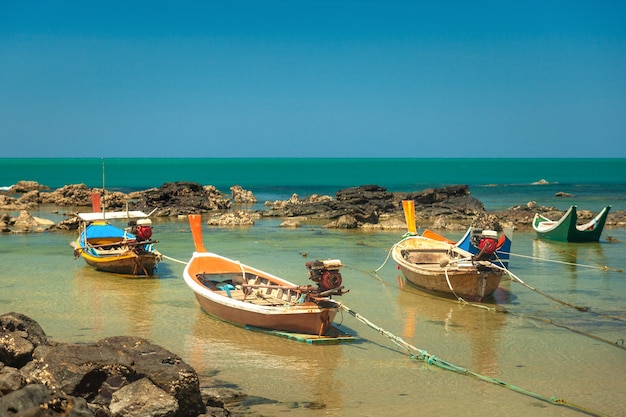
(429, 359)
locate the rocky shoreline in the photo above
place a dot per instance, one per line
(364, 207)
(112, 377)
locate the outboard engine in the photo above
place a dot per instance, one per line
(144, 229)
(487, 242)
(327, 276)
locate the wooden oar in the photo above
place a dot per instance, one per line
(409, 214)
(195, 221)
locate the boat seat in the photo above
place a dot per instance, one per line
(110, 251)
(420, 256)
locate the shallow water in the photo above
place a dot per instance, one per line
(540, 345)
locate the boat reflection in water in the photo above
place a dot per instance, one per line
(465, 329)
(262, 365)
(571, 255)
(117, 305)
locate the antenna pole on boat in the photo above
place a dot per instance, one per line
(103, 205)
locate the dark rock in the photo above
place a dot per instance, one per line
(180, 198)
(114, 377)
(143, 398)
(366, 205)
(11, 379)
(38, 400)
(219, 396)
(98, 371)
(19, 336)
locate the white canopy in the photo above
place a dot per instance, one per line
(90, 217)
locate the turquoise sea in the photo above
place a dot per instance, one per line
(542, 344)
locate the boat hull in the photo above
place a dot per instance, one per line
(469, 286)
(127, 264)
(566, 228)
(306, 320)
(268, 302)
(441, 268)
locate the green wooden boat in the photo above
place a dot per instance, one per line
(567, 228)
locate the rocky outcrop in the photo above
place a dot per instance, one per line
(241, 196)
(180, 198)
(367, 207)
(363, 203)
(114, 377)
(12, 204)
(371, 205)
(25, 186)
(68, 195)
(24, 223)
(236, 218)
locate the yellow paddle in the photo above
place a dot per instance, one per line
(195, 221)
(409, 214)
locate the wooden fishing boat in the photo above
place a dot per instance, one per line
(474, 241)
(109, 248)
(248, 297)
(567, 229)
(443, 268)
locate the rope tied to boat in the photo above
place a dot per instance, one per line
(600, 267)
(424, 356)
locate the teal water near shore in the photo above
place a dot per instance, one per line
(540, 345)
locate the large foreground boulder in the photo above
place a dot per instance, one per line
(116, 376)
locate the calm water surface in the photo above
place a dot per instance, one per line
(540, 345)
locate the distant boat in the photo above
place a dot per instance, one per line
(109, 248)
(474, 239)
(567, 230)
(441, 267)
(251, 298)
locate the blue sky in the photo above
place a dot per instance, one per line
(312, 79)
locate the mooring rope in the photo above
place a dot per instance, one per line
(174, 260)
(387, 258)
(602, 268)
(515, 278)
(424, 356)
(500, 309)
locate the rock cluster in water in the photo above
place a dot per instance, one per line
(366, 207)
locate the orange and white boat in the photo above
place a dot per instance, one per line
(248, 297)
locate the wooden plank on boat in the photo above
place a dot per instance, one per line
(309, 338)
